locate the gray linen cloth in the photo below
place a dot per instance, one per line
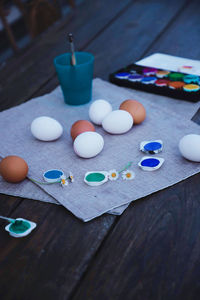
(89, 202)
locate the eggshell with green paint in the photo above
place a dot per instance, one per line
(23, 233)
(96, 178)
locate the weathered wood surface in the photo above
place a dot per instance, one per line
(36, 68)
(152, 250)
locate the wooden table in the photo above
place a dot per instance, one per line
(150, 252)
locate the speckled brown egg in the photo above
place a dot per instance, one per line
(81, 126)
(135, 108)
(13, 168)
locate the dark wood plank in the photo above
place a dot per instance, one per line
(8, 204)
(127, 38)
(48, 263)
(135, 31)
(153, 251)
(32, 260)
(181, 36)
(17, 256)
(36, 68)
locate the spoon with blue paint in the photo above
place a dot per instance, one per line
(19, 227)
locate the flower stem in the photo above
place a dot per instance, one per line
(40, 182)
(126, 167)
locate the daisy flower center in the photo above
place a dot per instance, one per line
(113, 174)
(63, 181)
(128, 175)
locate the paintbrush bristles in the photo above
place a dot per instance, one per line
(70, 36)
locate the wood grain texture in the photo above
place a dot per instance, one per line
(48, 263)
(181, 35)
(116, 46)
(37, 66)
(153, 251)
(126, 40)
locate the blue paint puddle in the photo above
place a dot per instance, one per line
(150, 162)
(53, 174)
(152, 146)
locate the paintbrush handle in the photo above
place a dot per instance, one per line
(73, 59)
(8, 219)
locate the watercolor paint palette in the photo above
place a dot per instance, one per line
(158, 81)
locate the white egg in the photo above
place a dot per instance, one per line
(98, 110)
(88, 144)
(189, 147)
(46, 129)
(117, 122)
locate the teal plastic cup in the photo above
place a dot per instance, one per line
(75, 81)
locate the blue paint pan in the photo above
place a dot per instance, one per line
(149, 163)
(151, 147)
(52, 175)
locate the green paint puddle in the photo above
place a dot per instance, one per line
(19, 226)
(95, 177)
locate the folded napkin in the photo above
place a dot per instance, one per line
(89, 202)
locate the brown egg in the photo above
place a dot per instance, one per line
(135, 108)
(81, 126)
(13, 168)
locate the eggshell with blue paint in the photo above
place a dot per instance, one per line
(151, 147)
(149, 163)
(117, 122)
(52, 175)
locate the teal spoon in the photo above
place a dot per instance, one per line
(13, 221)
(8, 219)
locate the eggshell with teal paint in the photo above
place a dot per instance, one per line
(23, 234)
(96, 178)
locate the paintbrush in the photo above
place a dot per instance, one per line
(73, 59)
(17, 222)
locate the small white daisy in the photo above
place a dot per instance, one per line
(71, 177)
(113, 175)
(63, 181)
(128, 175)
